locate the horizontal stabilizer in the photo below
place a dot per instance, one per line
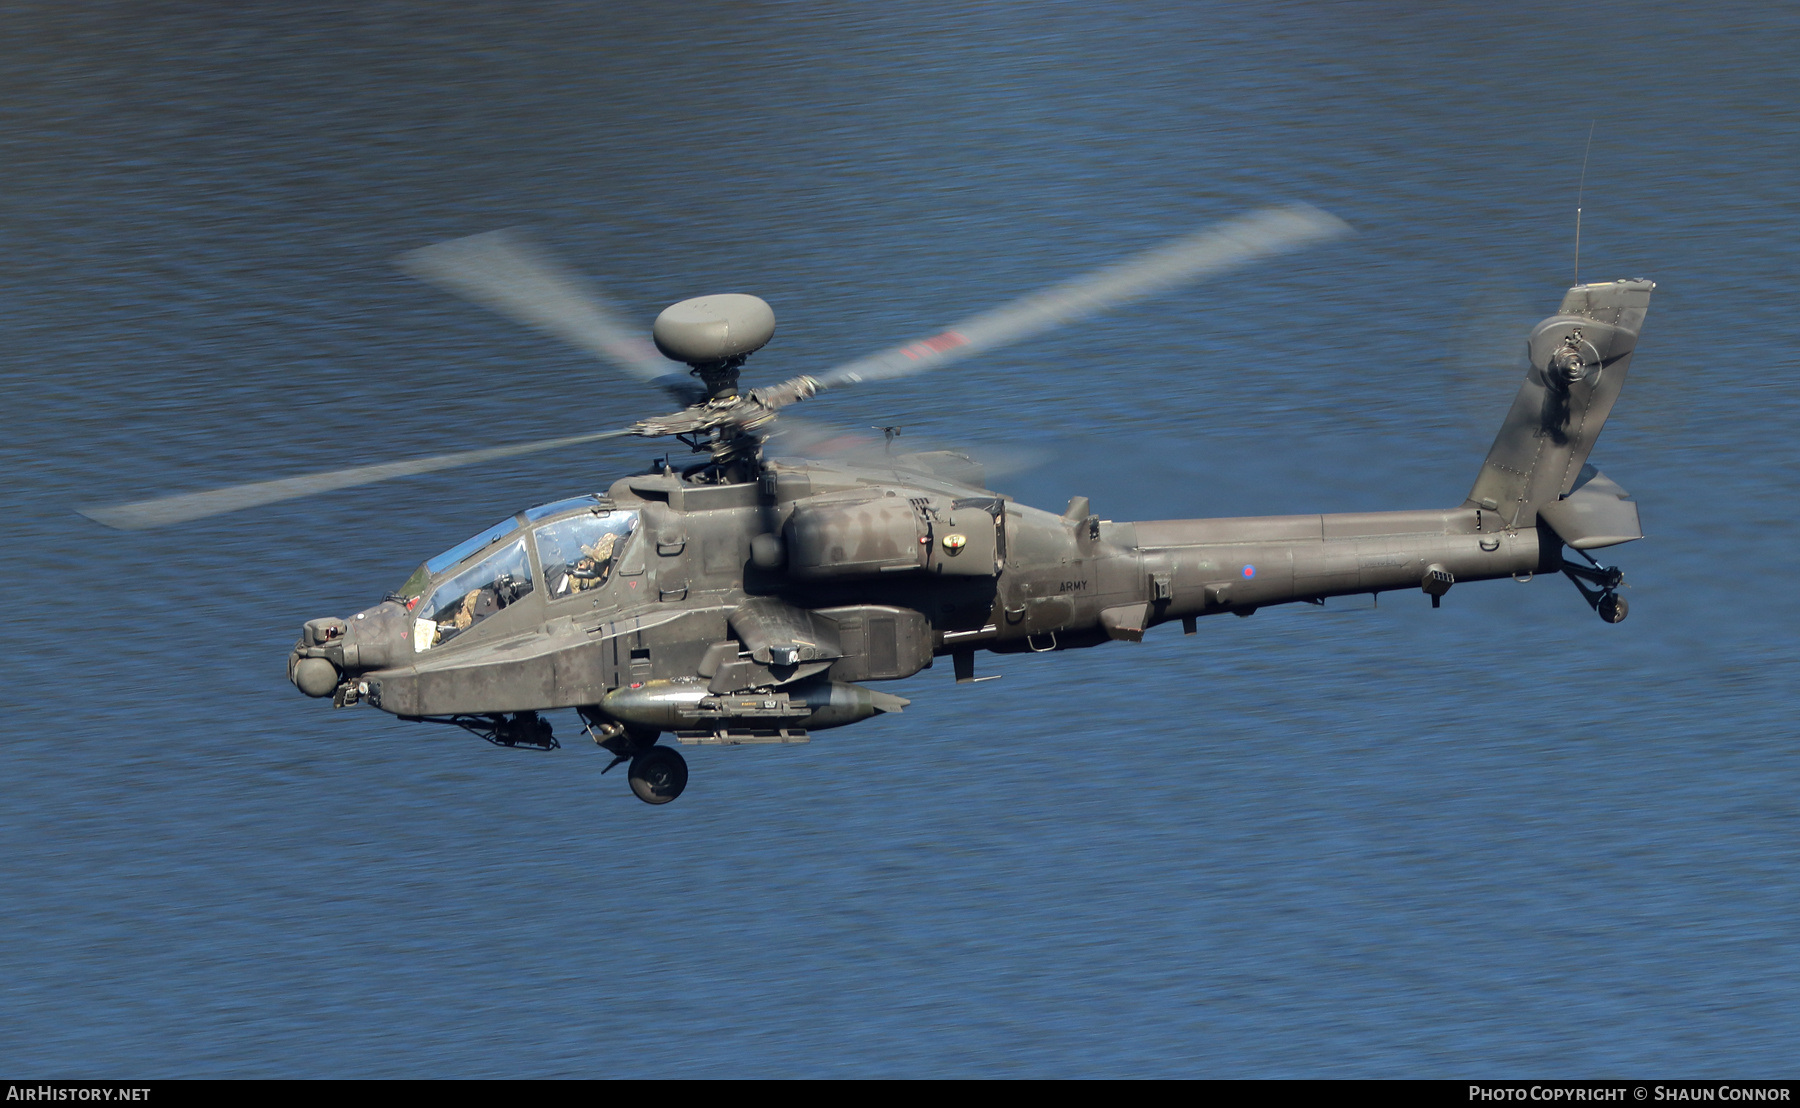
(1594, 514)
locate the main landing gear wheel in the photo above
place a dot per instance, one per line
(1612, 608)
(658, 775)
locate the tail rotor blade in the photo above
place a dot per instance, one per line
(1206, 253)
(163, 511)
(505, 271)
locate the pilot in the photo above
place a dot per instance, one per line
(591, 570)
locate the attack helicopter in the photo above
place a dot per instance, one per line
(745, 599)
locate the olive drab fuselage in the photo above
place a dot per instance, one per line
(753, 610)
(905, 566)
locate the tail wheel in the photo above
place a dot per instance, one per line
(658, 775)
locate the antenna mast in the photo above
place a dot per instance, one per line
(1579, 190)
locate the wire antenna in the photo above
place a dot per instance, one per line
(1579, 190)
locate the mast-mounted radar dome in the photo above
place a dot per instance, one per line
(710, 329)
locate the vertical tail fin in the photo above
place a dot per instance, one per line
(1578, 361)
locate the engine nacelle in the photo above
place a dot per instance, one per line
(863, 534)
(873, 532)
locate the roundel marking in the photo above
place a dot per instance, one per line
(1249, 571)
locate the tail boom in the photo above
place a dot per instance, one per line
(1218, 565)
(1105, 580)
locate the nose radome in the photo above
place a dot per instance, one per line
(316, 677)
(331, 648)
(375, 638)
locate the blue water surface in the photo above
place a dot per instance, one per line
(1497, 839)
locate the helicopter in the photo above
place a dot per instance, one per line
(746, 599)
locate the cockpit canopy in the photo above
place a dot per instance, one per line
(577, 548)
(579, 552)
(472, 594)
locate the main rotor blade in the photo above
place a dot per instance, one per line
(804, 438)
(180, 508)
(1206, 253)
(505, 271)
